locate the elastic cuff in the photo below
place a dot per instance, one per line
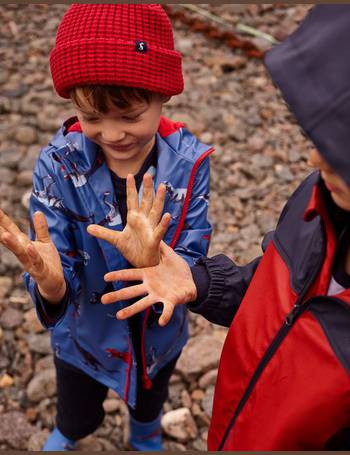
(201, 279)
(209, 278)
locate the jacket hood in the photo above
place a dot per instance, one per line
(312, 70)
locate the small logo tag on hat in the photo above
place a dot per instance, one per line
(141, 46)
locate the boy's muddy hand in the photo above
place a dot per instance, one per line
(139, 241)
(170, 283)
(39, 258)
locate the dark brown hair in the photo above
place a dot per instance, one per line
(101, 97)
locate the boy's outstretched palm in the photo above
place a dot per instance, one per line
(139, 241)
(170, 282)
(39, 258)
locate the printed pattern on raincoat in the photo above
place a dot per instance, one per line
(72, 186)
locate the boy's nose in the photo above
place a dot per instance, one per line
(112, 135)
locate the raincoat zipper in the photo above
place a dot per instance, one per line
(298, 308)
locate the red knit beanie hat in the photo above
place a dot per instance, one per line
(116, 44)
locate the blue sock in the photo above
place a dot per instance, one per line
(57, 442)
(145, 435)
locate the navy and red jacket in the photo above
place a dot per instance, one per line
(284, 374)
(283, 381)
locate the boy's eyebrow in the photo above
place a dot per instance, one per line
(85, 111)
(131, 110)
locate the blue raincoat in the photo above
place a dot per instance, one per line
(72, 186)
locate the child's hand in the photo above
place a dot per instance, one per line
(39, 258)
(169, 283)
(140, 239)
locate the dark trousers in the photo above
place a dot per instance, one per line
(80, 399)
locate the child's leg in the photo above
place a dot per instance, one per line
(79, 406)
(145, 430)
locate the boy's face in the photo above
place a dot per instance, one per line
(125, 135)
(339, 190)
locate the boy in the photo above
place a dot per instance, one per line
(118, 65)
(283, 381)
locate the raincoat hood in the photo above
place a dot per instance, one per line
(312, 70)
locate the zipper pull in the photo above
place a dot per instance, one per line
(293, 314)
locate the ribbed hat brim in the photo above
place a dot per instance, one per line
(115, 62)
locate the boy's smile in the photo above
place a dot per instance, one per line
(339, 190)
(126, 136)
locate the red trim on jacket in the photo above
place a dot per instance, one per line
(75, 128)
(188, 196)
(168, 127)
(147, 383)
(128, 373)
(316, 207)
(115, 354)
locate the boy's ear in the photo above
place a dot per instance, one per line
(166, 99)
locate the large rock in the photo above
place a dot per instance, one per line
(199, 445)
(25, 199)
(10, 261)
(208, 379)
(180, 424)
(5, 286)
(25, 135)
(15, 430)
(37, 440)
(39, 343)
(207, 402)
(24, 178)
(10, 156)
(6, 381)
(32, 323)
(200, 355)
(7, 176)
(45, 363)
(11, 318)
(93, 444)
(28, 161)
(185, 46)
(43, 385)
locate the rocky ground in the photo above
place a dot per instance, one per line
(260, 158)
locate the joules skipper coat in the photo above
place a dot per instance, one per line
(72, 186)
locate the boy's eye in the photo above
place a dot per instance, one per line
(90, 119)
(132, 118)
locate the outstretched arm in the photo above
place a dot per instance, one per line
(156, 286)
(39, 258)
(213, 288)
(46, 198)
